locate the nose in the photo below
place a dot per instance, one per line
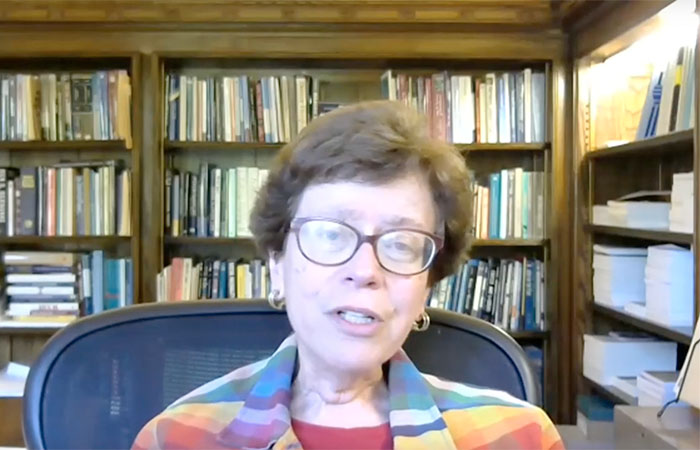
(363, 269)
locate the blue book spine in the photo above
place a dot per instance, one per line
(266, 108)
(494, 205)
(104, 107)
(111, 285)
(656, 106)
(97, 274)
(129, 282)
(530, 280)
(223, 280)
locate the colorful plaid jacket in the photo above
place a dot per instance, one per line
(249, 409)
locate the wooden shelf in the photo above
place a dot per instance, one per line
(510, 147)
(27, 328)
(681, 335)
(611, 393)
(63, 242)
(171, 146)
(638, 233)
(509, 242)
(196, 240)
(63, 145)
(665, 143)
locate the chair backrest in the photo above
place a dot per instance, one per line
(99, 380)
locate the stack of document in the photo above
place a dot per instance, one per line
(669, 285)
(656, 387)
(681, 214)
(618, 275)
(652, 215)
(606, 357)
(635, 210)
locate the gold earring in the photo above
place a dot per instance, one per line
(422, 323)
(276, 300)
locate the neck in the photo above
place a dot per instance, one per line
(328, 396)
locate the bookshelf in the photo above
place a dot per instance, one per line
(681, 335)
(641, 234)
(22, 342)
(617, 153)
(342, 81)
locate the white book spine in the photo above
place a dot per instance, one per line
(518, 204)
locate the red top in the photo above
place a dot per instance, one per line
(317, 437)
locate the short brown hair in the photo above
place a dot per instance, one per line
(371, 142)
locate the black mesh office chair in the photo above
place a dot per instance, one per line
(98, 381)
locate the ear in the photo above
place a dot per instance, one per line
(276, 266)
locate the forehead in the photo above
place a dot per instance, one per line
(405, 201)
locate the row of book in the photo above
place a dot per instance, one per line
(238, 108)
(669, 105)
(65, 106)
(509, 293)
(60, 286)
(511, 206)
(215, 202)
(186, 279)
(90, 198)
(498, 107)
(654, 283)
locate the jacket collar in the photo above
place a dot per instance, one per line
(264, 421)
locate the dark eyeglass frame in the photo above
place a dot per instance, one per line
(372, 239)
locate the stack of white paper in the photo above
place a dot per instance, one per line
(669, 285)
(681, 214)
(606, 357)
(655, 388)
(618, 275)
(651, 215)
(628, 385)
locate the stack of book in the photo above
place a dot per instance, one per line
(669, 285)
(507, 293)
(618, 275)
(42, 286)
(606, 357)
(184, 279)
(655, 388)
(60, 286)
(499, 107)
(237, 108)
(671, 95)
(682, 210)
(643, 209)
(214, 203)
(66, 106)
(510, 207)
(91, 198)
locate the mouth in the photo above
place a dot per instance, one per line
(357, 316)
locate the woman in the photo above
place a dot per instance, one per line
(361, 215)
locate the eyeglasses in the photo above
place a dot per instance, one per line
(403, 251)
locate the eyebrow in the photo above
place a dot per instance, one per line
(392, 221)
